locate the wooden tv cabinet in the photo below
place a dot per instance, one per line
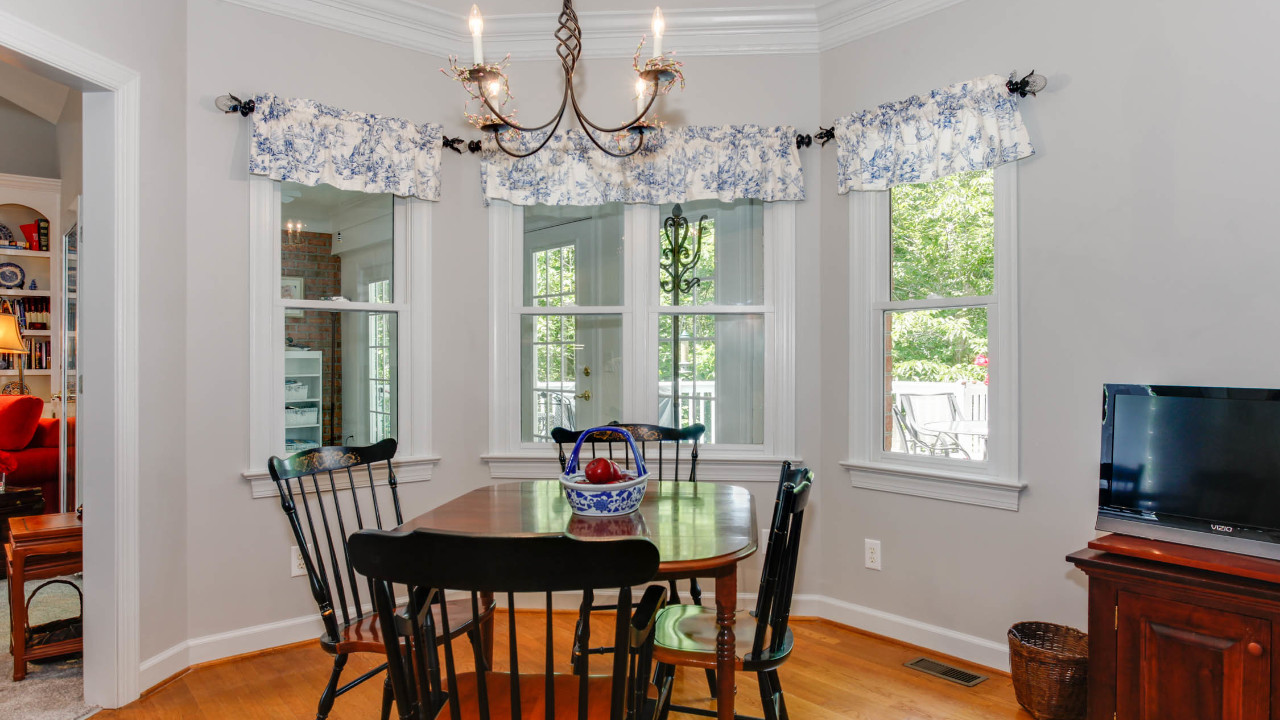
(1180, 633)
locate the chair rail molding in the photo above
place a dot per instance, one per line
(112, 621)
(772, 30)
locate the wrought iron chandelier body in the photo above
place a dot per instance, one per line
(485, 82)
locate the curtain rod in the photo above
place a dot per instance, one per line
(1028, 84)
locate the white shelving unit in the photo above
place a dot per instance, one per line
(22, 201)
(303, 403)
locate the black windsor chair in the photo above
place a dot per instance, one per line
(328, 484)
(663, 463)
(432, 564)
(686, 634)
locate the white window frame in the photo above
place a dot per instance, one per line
(411, 287)
(510, 458)
(994, 482)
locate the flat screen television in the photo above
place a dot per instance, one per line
(1192, 465)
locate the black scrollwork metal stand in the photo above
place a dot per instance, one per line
(678, 261)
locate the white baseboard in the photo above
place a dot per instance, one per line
(221, 645)
(982, 651)
(261, 637)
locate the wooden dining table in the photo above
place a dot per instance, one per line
(701, 530)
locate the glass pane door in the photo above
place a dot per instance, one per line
(69, 382)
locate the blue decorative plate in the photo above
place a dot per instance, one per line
(6, 235)
(11, 275)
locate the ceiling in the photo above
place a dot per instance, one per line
(697, 27)
(39, 96)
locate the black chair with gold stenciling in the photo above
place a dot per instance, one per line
(326, 494)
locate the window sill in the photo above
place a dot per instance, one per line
(727, 469)
(408, 470)
(957, 487)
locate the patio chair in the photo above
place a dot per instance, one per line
(913, 410)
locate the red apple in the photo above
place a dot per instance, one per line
(601, 471)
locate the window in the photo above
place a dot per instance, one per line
(336, 314)
(381, 400)
(675, 315)
(933, 356)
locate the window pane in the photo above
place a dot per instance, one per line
(944, 237)
(334, 243)
(573, 255)
(935, 383)
(339, 377)
(712, 253)
(570, 373)
(711, 371)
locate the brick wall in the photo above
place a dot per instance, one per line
(310, 257)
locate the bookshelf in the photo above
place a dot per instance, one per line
(303, 400)
(26, 202)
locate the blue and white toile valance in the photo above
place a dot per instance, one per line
(968, 126)
(679, 164)
(307, 142)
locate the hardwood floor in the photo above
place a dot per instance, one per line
(836, 672)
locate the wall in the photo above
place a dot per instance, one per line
(1145, 256)
(70, 131)
(150, 39)
(358, 74)
(28, 145)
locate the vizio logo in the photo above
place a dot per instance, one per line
(1222, 528)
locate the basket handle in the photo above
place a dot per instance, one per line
(46, 584)
(571, 467)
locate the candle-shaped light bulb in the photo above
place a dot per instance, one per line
(659, 26)
(477, 27)
(641, 86)
(494, 87)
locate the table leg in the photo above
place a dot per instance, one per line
(726, 604)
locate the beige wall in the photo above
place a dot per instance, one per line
(27, 143)
(150, 38)
(241, 579)
(1145, 256)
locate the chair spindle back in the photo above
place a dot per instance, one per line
(435, 563)
(664, 464)
(777, 581)
(322, 481)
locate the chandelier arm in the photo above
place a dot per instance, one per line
(586, 122)
(497, 139)
(564, 101)
(591, 136)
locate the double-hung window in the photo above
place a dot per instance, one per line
(933, 348)
(672, 314)
(338, 281)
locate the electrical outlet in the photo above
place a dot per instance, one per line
(871, 553)
(297, 567)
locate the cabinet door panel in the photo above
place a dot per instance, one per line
(1184, 662)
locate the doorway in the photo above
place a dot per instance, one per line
(107, 385)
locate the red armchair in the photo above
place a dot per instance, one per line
(33, 440)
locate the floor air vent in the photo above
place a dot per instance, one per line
(945, 671)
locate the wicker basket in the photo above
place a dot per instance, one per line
(1049, 665)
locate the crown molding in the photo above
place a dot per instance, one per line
(778, 30)
(843, 21)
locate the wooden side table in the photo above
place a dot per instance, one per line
(41, 546)
(16, 502)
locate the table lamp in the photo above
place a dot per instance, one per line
(11, 342)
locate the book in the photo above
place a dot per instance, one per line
(42, 235)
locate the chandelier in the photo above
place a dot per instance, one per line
(487, 85)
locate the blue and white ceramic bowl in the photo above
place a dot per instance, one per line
(617, 498)
(613, 499)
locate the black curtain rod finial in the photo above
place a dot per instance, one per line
(1028, 84)
(230, 104)
(825, 135)
(453, 143)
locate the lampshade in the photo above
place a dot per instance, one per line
(11, 335)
